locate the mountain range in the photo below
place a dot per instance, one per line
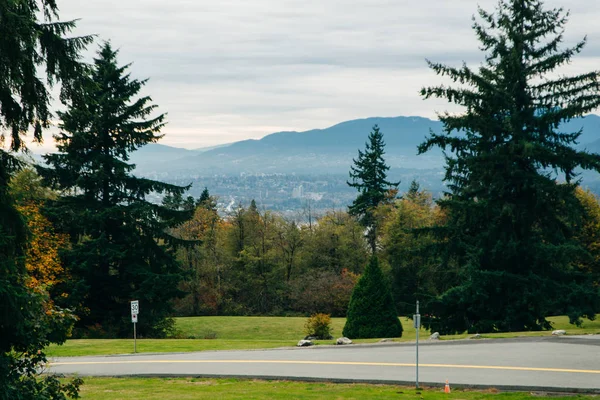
(319, 151)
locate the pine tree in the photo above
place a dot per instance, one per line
(511, 171)
(369, 176)
(121, 249)
(371, 312)
(28, 47)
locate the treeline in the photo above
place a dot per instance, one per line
(256, 262)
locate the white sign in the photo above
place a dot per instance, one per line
(135, 308)
(134, 318)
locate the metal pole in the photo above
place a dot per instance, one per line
(418, 323)
(134, 339)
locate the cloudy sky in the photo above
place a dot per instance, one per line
(229, 70)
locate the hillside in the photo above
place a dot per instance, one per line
(318, 151)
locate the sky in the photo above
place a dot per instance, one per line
(230, 70)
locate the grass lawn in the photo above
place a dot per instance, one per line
(187, 388)
(234, 333)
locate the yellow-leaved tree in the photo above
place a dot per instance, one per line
(45, 269)
(588, 233)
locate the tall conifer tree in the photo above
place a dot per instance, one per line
(369, 176)
(511, 171)
(121, 250)
(34, 52)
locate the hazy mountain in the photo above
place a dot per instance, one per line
(316, 151)
(319, 151)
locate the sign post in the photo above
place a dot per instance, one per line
(135, 310)
(417, 325)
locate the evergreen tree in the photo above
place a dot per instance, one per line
(28, 47)
(207, 201)
(414, 190)
(369, 176)
(121, 249)
(511, 171)
(371, 312)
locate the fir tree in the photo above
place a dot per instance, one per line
(371, 312)
(369, 176)
(207, 201)
(413, 190)
(511, 171)
(29, 47)
(121, 249)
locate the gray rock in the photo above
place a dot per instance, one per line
(384, 340)
(435, 336)
(343, 340)
(305, 343)
(559, 332)
(476, 336)
(310, 338)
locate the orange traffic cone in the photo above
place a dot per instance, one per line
(447, 387)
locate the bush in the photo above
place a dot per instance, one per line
(319, 326)
(371, 312)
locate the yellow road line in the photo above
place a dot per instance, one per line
(376, 364)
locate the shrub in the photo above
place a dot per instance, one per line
(371, 312)
(319, 326)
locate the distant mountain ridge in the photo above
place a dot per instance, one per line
(328, 150)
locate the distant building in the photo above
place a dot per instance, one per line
(298, 192)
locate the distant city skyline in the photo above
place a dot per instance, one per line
(229, 70)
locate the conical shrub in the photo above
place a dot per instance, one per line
(371, 312)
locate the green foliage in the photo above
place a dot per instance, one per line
(369, 176)
(28, 47)
(371, 312)
(335, 244)
(204, 264)
(318, 326)
(407, 242)
(511, 171)
(207, 201)
(121, 247)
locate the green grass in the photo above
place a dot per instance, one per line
(265, 328)
(560, 322)
(96, 347)
(235, 333)
(225, 389)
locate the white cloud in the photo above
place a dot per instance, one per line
(234, 69)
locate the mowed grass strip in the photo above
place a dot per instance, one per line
(266, 328)
(225, 389)
(97, 347)
(237, 333)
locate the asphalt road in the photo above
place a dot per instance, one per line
(534, 363)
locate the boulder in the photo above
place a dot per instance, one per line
(310, 338)
(476, 336)
(559, 332)
(304, 343)
(343, 340)
(384, 340)
(435, 336)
